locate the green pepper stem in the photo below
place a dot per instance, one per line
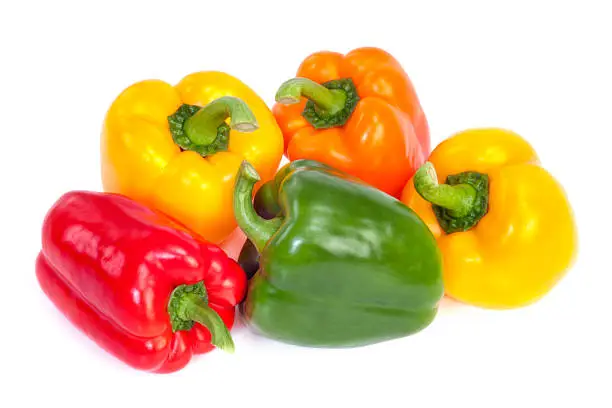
(329, 100)
(192, 307)
(256, 228)
(459, 199)
(202, 127)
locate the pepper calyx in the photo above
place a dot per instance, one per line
(322, 119)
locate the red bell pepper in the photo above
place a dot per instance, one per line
(136, 282)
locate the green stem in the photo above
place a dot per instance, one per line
(202, 127)
(192, 307)
(458, 199)
(189, 304)
(330, 101)
(256, 228)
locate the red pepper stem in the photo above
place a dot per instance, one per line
(256, 228)
(331, 101)
(193, 307)
(459, 199)
(202, 127)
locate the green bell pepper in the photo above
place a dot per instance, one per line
(342, 265)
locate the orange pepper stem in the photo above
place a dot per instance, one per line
(329, 105)
(256, 228)
(330, 101)
(458, 199)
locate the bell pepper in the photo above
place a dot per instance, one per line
(343, 265)
(503, 223)
(174, 149)
(361, 115)
(136, 282)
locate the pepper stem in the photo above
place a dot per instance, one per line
(189, 304)
(256, 228)
(457, 199)
(193, 308)
(331, 101)
(202, 127)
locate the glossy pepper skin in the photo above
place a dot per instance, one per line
(370, 124)
(343, 265)
(522, 237)
(160, 149)
(134, 281)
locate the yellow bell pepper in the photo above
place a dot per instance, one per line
(503, 224)
(178, 148)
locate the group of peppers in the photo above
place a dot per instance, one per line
(354, 242)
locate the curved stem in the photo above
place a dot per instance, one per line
(193, 307)
(202, 127)
(459, 199)
(328, 100)
(256, 228)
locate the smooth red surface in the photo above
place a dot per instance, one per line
(110, 264)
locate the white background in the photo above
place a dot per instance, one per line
(538, 68)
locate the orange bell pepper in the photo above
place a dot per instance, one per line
(178, 148)
(504, 225)
(361, 116)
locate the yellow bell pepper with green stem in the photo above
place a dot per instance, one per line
(178, 148)
(504, 224)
